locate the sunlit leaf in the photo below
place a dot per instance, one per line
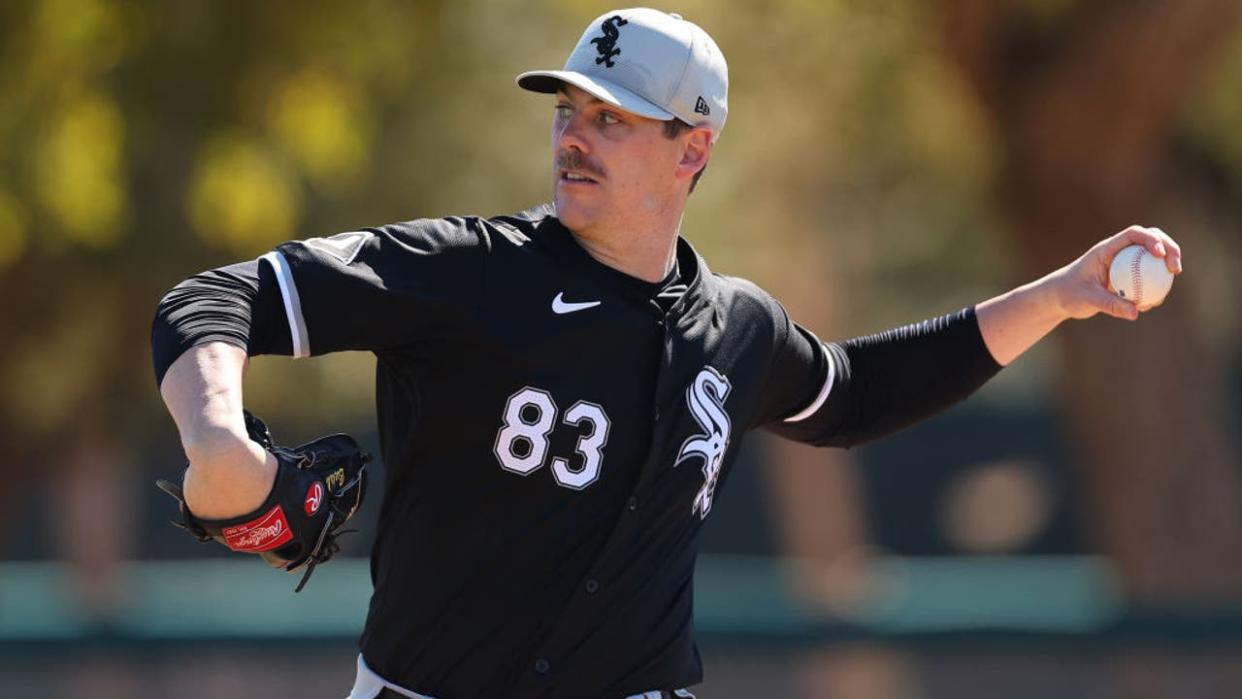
(78, 171)
(326, 125)
(241, 198)
(66, 41)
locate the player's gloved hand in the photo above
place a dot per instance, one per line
(319, 485)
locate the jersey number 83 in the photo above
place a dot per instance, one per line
(522, 442)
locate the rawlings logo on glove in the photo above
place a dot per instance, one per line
(319, 485)
(264, 534)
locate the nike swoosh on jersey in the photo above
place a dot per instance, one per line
(560, 306)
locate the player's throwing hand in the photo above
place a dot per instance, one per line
(1082, 288)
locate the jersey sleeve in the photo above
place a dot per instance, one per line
(239, 305)
(800, 374)
(875, 385)
(378, 288)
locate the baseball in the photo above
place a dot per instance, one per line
(1139, 276)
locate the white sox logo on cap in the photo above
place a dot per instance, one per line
(606, 44)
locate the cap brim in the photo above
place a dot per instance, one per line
(549, 81)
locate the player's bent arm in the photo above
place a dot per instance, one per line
(204, 328)
(229, 474)
(1013, 322)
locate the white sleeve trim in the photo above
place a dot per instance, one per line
(293, 303)
(823, 391)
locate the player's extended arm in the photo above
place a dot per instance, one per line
(1011, 323)
(881, 383)
(229, 473)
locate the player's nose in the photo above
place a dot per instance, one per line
(570, 134)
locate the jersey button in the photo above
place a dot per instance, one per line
(541, 666)
(656, 414)
(632, 504)
(592, 586)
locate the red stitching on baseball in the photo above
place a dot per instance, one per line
(1136, 279)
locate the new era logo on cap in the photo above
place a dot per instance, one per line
(648, 63)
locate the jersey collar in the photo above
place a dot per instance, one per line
(562, 242)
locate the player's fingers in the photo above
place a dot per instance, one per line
(1112, 304)
(1134, 235)
(1173, 251)
(1158, 243)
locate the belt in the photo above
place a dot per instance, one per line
(367, 682)
(387, 693)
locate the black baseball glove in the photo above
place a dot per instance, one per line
(318, 486)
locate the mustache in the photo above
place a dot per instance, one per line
(574, 160)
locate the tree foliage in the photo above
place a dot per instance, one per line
(143, 141)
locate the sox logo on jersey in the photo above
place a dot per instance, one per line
(706, 397)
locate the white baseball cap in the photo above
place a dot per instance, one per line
(648, 63)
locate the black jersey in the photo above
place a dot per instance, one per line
(553, 439)
(555, 432)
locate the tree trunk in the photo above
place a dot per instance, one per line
(1085, 115)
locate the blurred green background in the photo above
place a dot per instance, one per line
(1072, 530)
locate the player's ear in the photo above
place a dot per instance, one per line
(696, 149)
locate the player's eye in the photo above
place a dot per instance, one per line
(608, 118)
(563, 111)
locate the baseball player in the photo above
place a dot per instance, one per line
(562, 392)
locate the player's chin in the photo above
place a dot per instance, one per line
(573, 212)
